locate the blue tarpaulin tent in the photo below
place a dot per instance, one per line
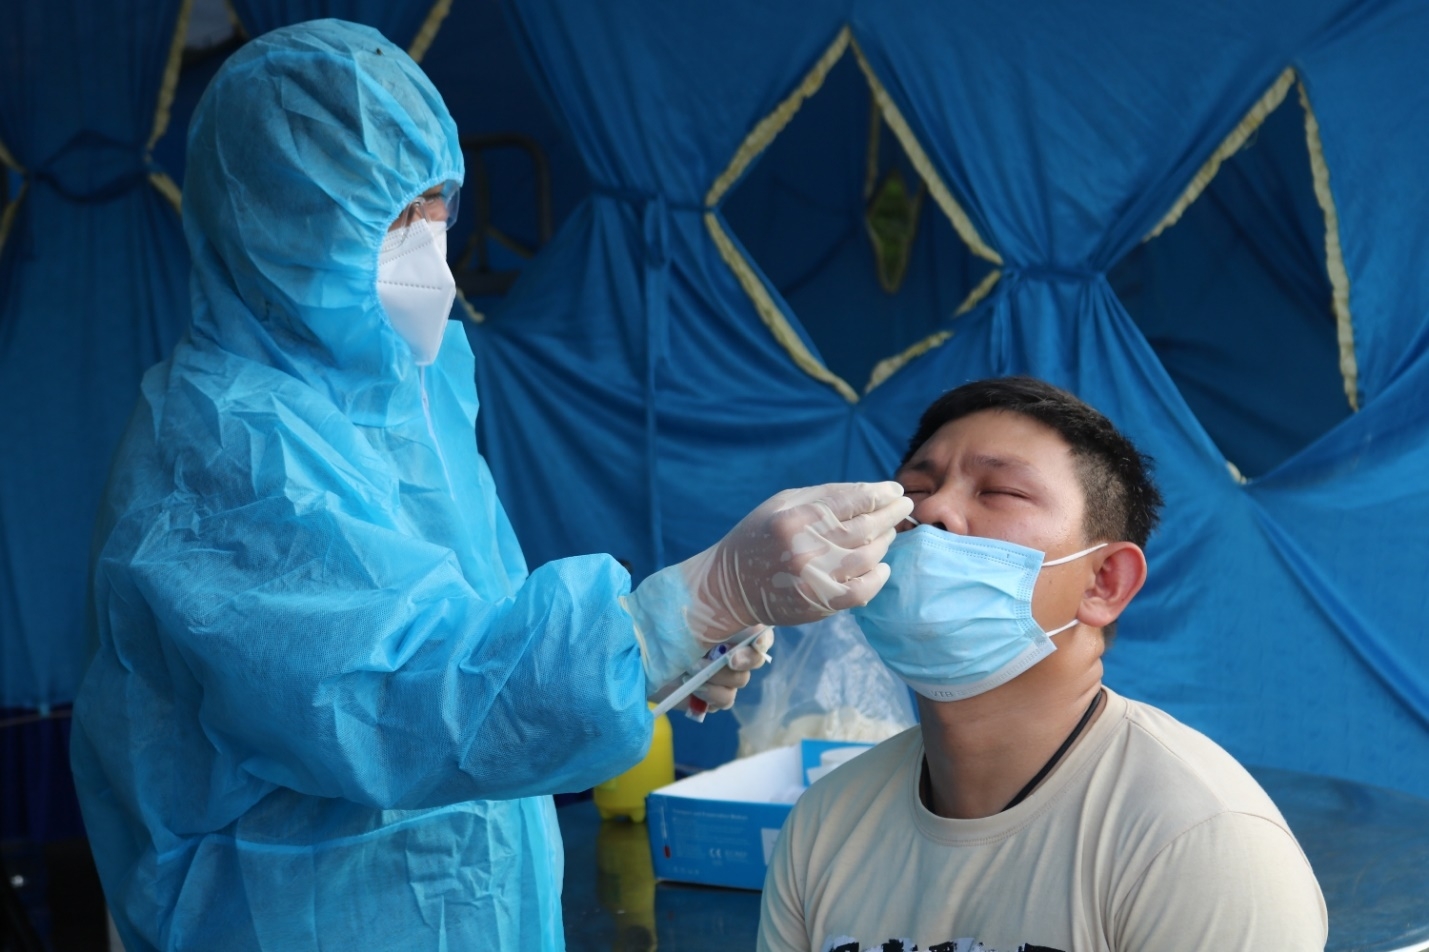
(785, 229)
(649, 354)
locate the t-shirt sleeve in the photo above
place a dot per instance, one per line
(1233, 883)
(781, 913)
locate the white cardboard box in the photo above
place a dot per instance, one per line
(718, 828)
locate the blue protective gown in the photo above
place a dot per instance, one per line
(328, 702)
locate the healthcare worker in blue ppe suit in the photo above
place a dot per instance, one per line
(328, 702)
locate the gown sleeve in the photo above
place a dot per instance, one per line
(329, 648)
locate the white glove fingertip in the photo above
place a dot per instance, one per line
(902, 507)
(864, 528)
(891, 514)
(846, 500)
(747, 659)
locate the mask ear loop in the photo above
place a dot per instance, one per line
(1058, 631)
(1076, 555)
(1068, 558)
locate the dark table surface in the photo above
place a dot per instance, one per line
(1369, 847)
(612, 903)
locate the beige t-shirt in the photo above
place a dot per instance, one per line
(1146, 838)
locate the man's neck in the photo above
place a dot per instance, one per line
(984, 750)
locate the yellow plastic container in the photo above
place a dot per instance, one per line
(625, 795)
(625, 884)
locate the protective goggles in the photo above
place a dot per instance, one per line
(433, 209)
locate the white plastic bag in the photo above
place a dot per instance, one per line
(827, 684)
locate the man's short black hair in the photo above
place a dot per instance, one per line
(1122, 503)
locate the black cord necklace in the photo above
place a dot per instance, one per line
(1047, 767)
(926, 781)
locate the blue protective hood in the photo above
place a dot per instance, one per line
(306, 146)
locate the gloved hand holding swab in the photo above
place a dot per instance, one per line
(800, 556)
(710, 670)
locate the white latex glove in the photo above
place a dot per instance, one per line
(720, 689)
(800, 556)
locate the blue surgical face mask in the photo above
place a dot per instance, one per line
(955, 618)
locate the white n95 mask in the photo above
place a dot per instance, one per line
(416, 287)
(955, 617)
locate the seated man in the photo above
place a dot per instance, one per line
(1033, 809)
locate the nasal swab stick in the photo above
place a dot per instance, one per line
(705, 673)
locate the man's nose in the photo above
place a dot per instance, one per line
(944, 510)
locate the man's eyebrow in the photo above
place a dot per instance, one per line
(924, 466)
(1007, 464)
(986, 461)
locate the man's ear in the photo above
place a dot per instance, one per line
(1120, 573)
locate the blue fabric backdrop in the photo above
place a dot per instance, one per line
(399, 20)
(634, 401)
(800, 213)
(1281, 615)
(77, 113)
(1235, 300)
